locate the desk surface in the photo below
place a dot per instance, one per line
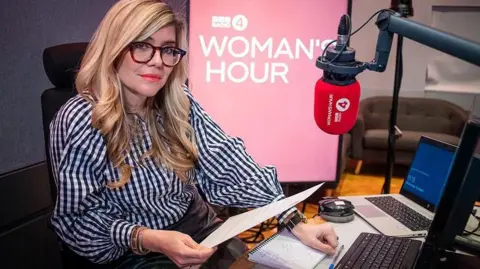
(347, 233)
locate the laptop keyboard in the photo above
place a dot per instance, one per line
(402, 213)
(380, 251)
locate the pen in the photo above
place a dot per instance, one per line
(335, 257)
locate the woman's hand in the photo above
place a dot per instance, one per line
(318, 236)
(179, 247)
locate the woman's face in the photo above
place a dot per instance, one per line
(142, 80)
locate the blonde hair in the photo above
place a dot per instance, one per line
(173, 143)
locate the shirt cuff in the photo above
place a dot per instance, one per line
(121, 232)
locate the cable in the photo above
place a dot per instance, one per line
(258, 230)
(349, 22)
(374, 14)
(255, 234)
(350, 34)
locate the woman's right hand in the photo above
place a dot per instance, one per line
(179, 247)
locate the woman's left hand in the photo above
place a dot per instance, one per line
(318, 236)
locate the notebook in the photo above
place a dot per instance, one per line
(284, 251)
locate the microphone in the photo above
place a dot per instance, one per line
(336, 106)
(337, 93)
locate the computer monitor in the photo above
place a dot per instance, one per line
(428, 172)
(472, 176)
(477, 152)
(455, 206)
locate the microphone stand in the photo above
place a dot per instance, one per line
(404, 8)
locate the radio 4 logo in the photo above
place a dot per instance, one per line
(343, 104)
(238, 22)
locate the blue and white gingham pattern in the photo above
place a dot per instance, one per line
(96, 221)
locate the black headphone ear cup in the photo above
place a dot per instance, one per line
(337, 219)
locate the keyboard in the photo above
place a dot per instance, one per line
(401, 212)
(380, 251)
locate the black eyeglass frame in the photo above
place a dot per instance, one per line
(154, 50)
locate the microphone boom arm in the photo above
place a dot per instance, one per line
(392, 23)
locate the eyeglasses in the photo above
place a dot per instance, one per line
(143, 52)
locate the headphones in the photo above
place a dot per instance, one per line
(336, 210)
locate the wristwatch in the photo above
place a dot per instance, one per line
(291, 222)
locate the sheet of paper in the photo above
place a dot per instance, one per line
(240, 223)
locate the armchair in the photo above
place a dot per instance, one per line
(417, 117)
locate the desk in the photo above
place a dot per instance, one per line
(347, 233)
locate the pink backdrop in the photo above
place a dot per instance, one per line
(229, 56)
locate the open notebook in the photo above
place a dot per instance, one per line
(284, 251)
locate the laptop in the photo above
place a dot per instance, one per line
(410, 213)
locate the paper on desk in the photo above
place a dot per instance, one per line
(240, 223)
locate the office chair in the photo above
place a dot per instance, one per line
(61, 64)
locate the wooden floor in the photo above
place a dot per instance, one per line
(350, 184)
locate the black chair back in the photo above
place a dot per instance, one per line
(61, 64)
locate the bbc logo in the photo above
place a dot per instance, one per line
(221, 22)
(238, 22)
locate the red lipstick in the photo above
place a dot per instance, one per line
(151, 77)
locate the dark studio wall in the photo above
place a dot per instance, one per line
(26, 28)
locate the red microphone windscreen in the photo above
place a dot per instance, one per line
(336, 107)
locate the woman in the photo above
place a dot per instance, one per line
(130, 149)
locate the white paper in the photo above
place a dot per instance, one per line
(286, 251)
(240, 223)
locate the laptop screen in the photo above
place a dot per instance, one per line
(428, 172)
